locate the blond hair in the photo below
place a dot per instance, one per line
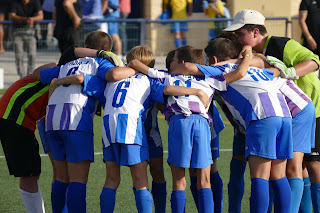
(143, 53)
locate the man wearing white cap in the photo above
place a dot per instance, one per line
(250, 30)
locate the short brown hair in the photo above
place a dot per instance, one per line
(99, 40)
(143, 53)
(233, 38)
(250, 27)
(190, 54)
(222, 48)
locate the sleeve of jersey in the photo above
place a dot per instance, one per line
(303, 6)
(218, 82)
(156, 90)
(104, 67)
(47, 75)
(209, 71)
(94, 87)
(159, 75)
(296, 53)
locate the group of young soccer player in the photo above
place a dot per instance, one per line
(273, 116)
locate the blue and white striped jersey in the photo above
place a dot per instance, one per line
(188, 104)
(255, 96)
(68, 107)
(125, 107)
(295, 97)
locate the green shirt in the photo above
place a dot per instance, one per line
(292, 53)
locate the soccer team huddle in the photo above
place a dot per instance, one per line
(271, 97)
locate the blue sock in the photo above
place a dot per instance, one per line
(143, 201)
(184, 41)
(159, 193)
(296, 185)
(259, 199)
(76, 197)
(236, 185)
(205, 200)
(107, 200)
(194, 190)
(306, 202)
(217, 190)
(178, 201)
(281, 189)
(58, 196)
(177, 42)
(315, 195)
(271, 196)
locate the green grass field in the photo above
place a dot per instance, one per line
(10, 201)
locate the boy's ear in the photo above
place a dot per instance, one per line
(215, 59)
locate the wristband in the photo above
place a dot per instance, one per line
(309, 37)
(250, 56)
(52, 83)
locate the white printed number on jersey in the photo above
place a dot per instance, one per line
(257, 74)
(120, 94)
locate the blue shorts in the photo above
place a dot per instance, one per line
(189, 141)
(215, 148)
(303, 129)
(212, 34)
(270, 138)
(43, 136)
(125, 154)
(239, 143)
(73, 146)
(155, 151)
(112, 26)
(181, 26)
(153, 133)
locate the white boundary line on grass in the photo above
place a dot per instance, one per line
(100, 153)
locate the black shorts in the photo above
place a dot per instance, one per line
(315, 152)
(21, 149)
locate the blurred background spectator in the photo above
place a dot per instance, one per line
(68, 15)
(47, 8)
(125, 10)
(179, 10)
(111, 11)
(309, 20)
(91, 10)
(4, 6)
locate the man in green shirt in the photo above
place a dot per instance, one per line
(301, 65)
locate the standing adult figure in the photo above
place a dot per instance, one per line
(68, 23)
(48, 8)
(25, 13)
(302, 63)
(179, 11)
(309, 16)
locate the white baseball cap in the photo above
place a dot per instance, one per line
(244, 17)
